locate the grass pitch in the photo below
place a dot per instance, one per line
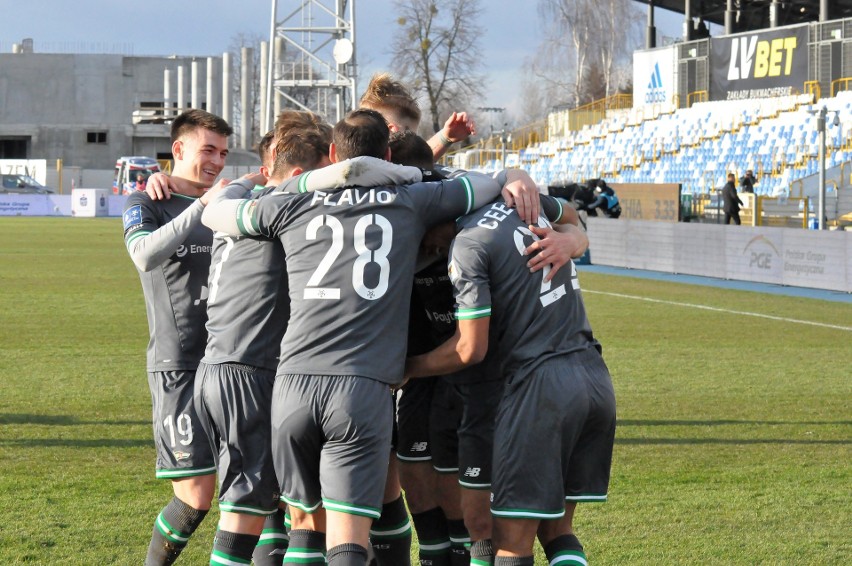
(733, 445)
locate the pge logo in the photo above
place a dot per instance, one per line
(181, 251)
(656, 92)
(760, 252)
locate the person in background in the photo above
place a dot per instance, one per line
(747, 181)
(731, 202)
(606, 201)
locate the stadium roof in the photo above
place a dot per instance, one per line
(754, 14)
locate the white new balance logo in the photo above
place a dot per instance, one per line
(419, 446)
(472, 472)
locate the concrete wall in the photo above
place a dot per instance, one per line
(784, 256)
(55, 99)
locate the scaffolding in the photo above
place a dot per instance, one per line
(313, 64)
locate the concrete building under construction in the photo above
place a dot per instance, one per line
(87, 109)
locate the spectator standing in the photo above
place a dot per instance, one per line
(747, 181)
(731, 202)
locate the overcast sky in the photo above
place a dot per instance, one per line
(207, 27)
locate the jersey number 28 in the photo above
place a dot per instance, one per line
(379, 256)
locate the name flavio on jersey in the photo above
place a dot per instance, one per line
(349, 197)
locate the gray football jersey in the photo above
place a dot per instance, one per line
(531, 321)
(351, 256)
(248, 306)
(176, 290)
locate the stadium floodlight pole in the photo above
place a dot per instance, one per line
(821, 115)
(821, 129)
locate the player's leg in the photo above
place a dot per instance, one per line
(444, 419)
(560, 544)
(476, 438)
(184, 455)
(296, 449)
(514, 537)
(588, 444)
(357, 427)
(390, 534)
(234, 401)
(273, 541)
(307, 537)
(416, 474)
(528, 479)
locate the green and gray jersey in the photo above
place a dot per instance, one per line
(531, 320)
(171, 250)
(248, 307)
(350, 260)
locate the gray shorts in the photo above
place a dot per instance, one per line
(234, 403)
(331, 439)
(476, 432)
(553, 438)
(183, 449)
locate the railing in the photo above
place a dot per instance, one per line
(695, 97)
(781, 211)
(813, 88)
(840, 84)
(595, 112)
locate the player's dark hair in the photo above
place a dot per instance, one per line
(407, 148)
(361, 133)
(195, 119)
(390, 98)
(264, 147)
(304, 149)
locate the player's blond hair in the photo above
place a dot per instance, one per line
(391, 99)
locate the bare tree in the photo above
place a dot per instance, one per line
(436, 53)
(586, 44)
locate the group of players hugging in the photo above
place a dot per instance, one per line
(353, 322)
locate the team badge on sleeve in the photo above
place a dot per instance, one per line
(453, 272)
(132, 216)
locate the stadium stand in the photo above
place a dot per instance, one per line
(696, 146)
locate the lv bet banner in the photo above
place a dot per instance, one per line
(759, 65)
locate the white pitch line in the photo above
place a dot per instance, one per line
(716, 309)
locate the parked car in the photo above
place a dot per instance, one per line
(22, 184)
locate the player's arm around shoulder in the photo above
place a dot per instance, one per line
(229, 210)
(556, 246)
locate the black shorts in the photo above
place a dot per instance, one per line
(476, 432)
(412, 415)
(444, 419)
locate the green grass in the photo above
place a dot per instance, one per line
(733, 444)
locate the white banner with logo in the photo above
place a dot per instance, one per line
(784, 256)
(759, 65)
(35, 168)
(654, 76)
(55, 205)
